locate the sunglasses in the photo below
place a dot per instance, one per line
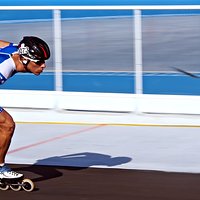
(39, 62)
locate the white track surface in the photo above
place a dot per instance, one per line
(112, 140)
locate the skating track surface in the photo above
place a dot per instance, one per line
(104, 161)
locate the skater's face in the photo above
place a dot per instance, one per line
(36, 67)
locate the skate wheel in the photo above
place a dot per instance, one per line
(3, 186)
(16, 187)
(28, 185)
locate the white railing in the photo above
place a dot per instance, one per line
(99, 101)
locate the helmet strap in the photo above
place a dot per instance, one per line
(25, 63)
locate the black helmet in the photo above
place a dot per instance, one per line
(34, 49)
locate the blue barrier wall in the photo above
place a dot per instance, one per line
(99, 2)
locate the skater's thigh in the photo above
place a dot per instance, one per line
(5, 117)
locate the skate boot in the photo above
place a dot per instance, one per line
(14, 180)
(7, 173)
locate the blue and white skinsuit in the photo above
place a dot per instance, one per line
(7, 64)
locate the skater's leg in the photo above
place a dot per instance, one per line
(7, 127)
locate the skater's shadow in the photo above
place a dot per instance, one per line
(49, 168)
(84, 160)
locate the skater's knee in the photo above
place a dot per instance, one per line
(7, 124)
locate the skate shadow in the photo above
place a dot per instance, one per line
(39, 172)
(48, 168)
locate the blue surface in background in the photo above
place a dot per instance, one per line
(173, 84)
(24, 15)
(98, 2)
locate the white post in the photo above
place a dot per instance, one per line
(58, 50)
(138, 59)
(138, 52)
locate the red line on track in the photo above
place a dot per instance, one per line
(55, 138)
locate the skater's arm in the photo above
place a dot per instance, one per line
(3, 43)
